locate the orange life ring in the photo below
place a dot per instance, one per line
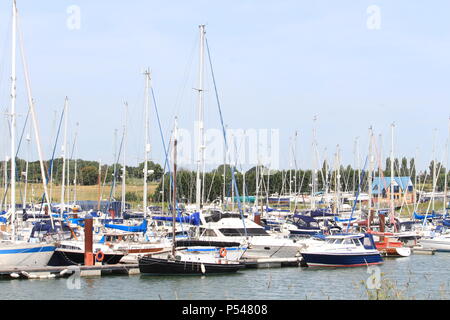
(223, 252)
(99, 256)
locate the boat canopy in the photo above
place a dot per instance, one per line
(428, 216)
(193, 219)
(343, 220)
(140, 228)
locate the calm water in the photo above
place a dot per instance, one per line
(416, 277)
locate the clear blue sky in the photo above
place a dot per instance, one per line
(277, 63)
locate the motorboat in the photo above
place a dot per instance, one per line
(346, 250)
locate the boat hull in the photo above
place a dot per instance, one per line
(149, 265)
(437, 245)
(68, 258)
(341, 260)
(26, 255)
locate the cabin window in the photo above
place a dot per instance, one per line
(240, 232)
(367, 242)
(347, 241)
(356, 242)
(209, 233)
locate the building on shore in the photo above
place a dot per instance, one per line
(403, 190)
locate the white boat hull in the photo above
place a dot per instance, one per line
(434, 244)
(25, 254)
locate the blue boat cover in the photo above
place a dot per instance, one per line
(140, 228)
(343, 220)
(193, 219)
(422, 216)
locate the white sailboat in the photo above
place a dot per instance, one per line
(12, 252)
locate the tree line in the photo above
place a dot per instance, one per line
(87, 172)
(217, 185)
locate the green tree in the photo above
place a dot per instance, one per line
(89, 175)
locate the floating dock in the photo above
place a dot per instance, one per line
(420, 250)
(122, 269)
(259, 263)
(67, 271)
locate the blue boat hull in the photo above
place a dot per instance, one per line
(341, 260)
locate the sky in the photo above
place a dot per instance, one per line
(277, 64)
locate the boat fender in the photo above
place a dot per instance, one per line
(223, 252)
(99, 256)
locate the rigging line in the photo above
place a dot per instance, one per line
(166, 149)
(34, 116)
(224, 135)
(17, 151)
(113, 184)
(3, 55)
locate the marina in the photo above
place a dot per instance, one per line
(212, 212)
(416, 277)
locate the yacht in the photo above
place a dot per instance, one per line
(226, 226)
(347, 250)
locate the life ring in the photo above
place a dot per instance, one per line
(223, 252)
(99, 256)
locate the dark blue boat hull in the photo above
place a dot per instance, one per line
(330, 260)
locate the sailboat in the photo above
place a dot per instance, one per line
(387, 243)
(12, 252)
(187, 261)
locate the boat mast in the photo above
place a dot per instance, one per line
(380, 170)
(13, 120)
(295, 166)
(124, 171)
(51, 168)
(75, 167)
(446, 168)
(147, 144)
(35, 125)
(64, 157)
(392, 170)
(415, 180)
(113, 191)
(369, 177)
(313, 172)
(358, 165)
(174, 198)
(5, 179)
(434, 171)
(99, 184)
(338, 178)
(28, 138)
(200, 141)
